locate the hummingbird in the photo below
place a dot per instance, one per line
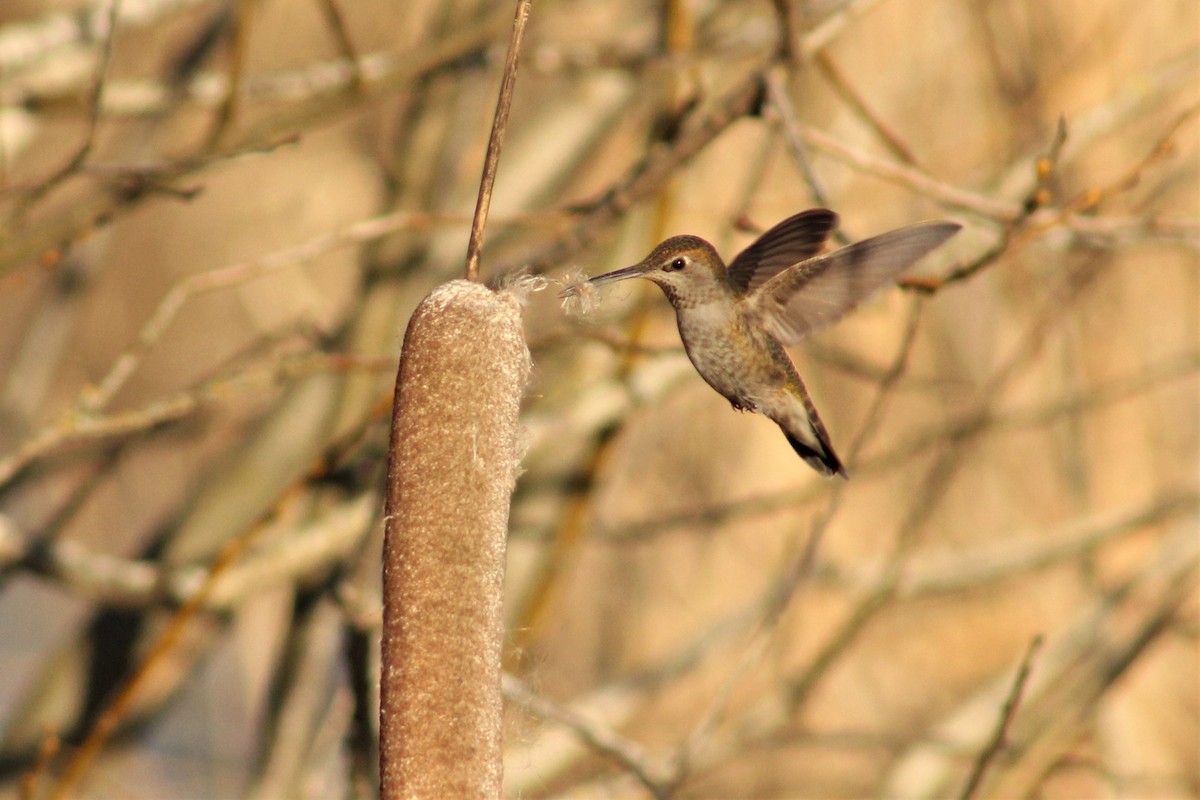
(736, 320)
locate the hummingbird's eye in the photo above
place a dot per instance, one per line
(677, 264)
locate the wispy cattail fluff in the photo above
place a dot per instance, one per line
(452, 468)
(579, 297)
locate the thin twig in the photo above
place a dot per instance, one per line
(1046, 167)
(341, 32)
(850, 96)
(95, 93)
(600, 738)
(239, 45)
(833, 25)
(887, 384)
(39, 41)
(496, 139)
(910, 177)
(1000, 735)
(794, 140)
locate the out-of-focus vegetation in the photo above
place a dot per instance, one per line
(217, 217)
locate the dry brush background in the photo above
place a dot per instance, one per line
(217, 217)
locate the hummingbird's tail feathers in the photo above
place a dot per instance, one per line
(824, 461)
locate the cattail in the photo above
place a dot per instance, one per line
(451, 472)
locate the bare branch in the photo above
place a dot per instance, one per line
(25, 44)
(999, 737)
(127, 583)
(628, 754)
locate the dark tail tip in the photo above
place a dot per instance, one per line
(824, 461)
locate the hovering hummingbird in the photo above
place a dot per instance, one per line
(735, 321)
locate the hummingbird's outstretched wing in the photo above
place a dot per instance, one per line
(796, 239)
(798, 301)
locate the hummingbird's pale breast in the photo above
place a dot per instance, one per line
(745, 364)
(730, 352)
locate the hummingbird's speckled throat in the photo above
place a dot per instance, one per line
(735, 321)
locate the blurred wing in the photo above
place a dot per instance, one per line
(796, 239)
(820, 291)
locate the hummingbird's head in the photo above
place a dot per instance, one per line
(687, 268)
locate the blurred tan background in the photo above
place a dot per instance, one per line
(218, 218)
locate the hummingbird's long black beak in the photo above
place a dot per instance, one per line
(635, 271)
